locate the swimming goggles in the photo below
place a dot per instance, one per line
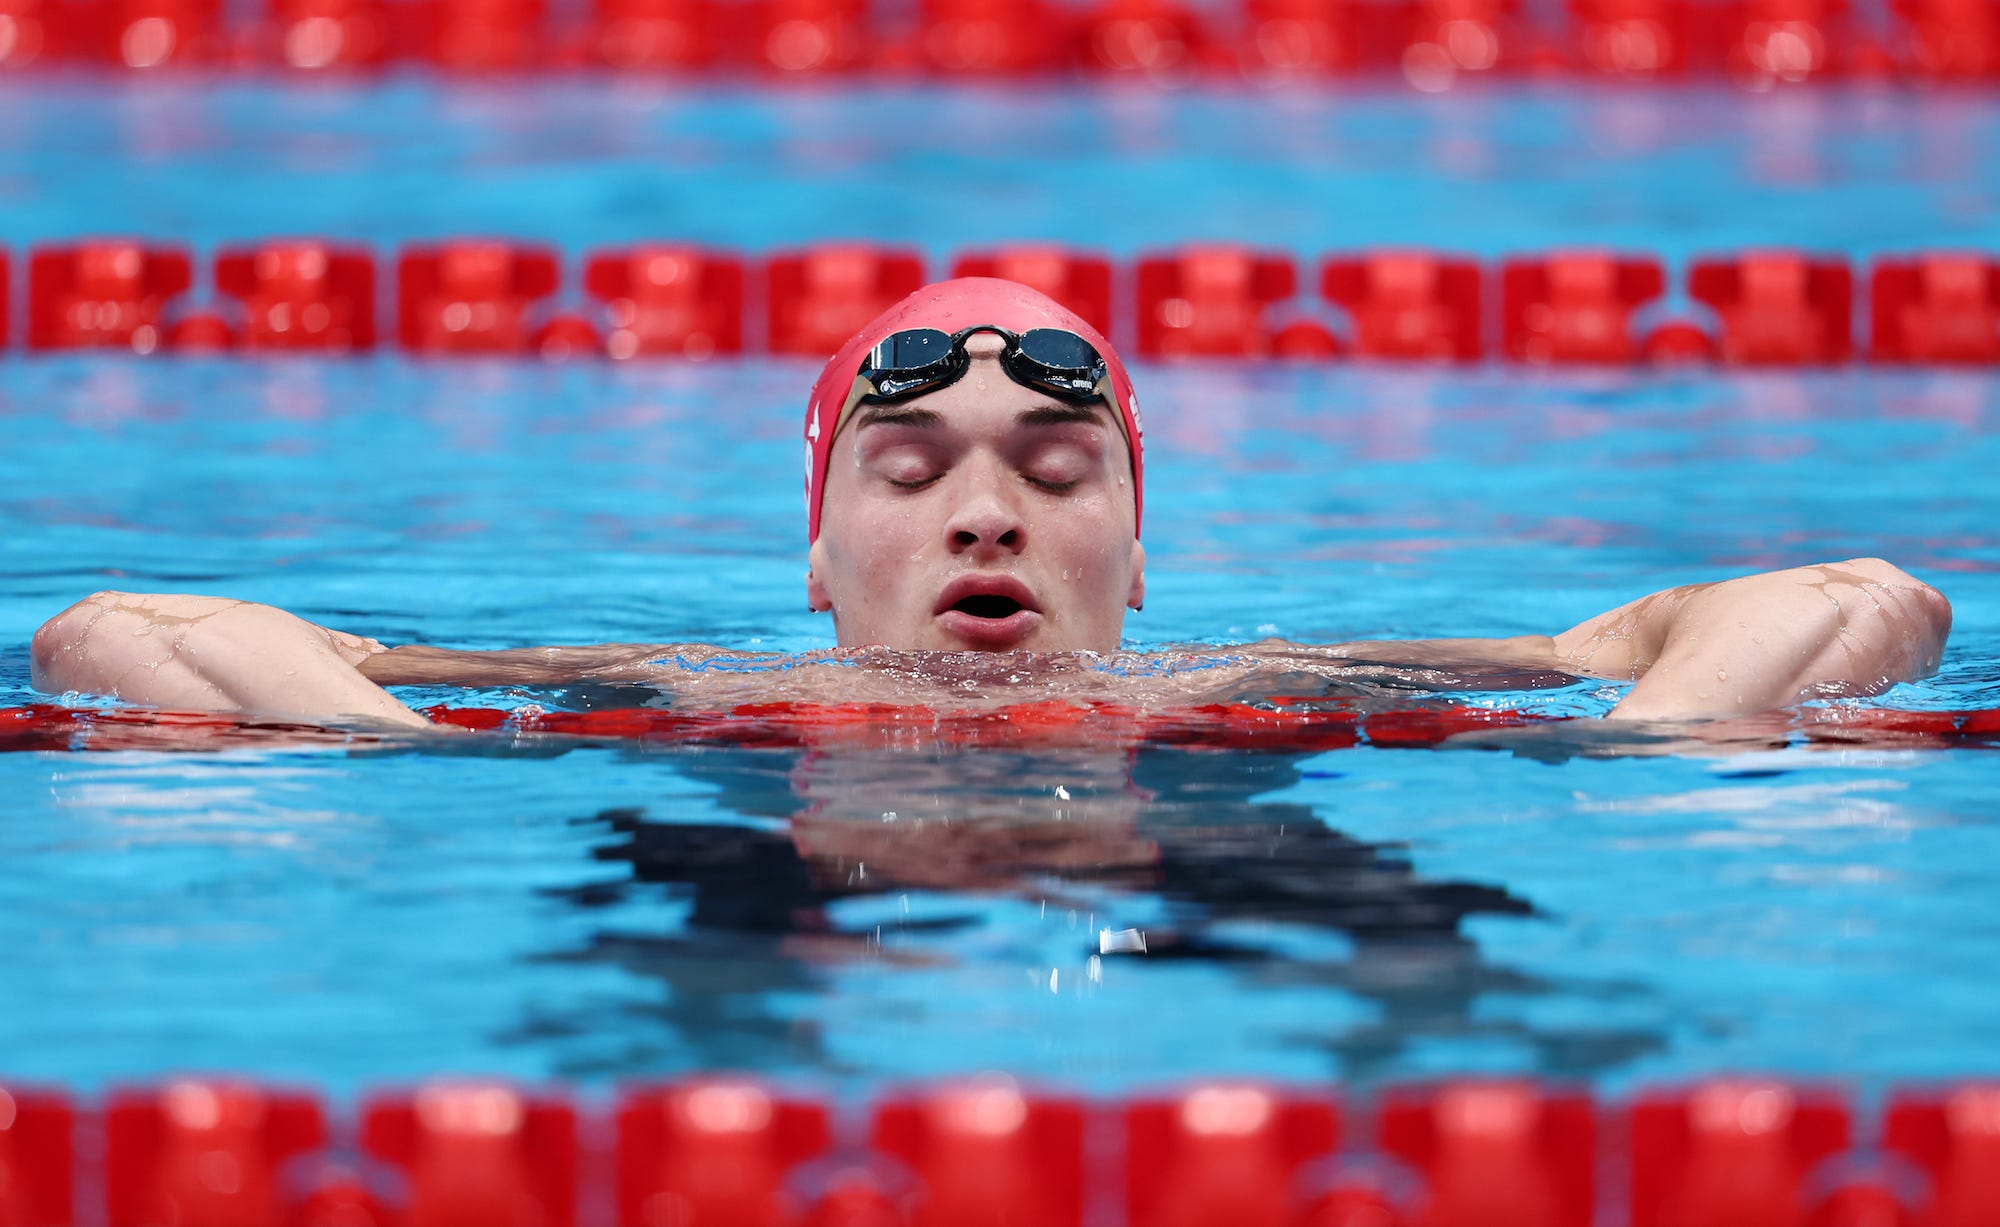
(916, 361)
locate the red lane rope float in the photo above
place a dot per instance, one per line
(729, 1152)
(50, 727)
(1764, 307)
(1220, 726)
(1430, 44)
(1300, 726)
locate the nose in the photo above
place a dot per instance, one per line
(985, 520)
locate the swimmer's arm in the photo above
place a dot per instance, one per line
(1764, 641)
(419, 665)
(1742, 645)
(200, 653)
(1453, 664)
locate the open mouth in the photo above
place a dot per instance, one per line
(989, 605)
(993, 613)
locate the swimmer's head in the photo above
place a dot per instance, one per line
(973, 468)
(950, 307)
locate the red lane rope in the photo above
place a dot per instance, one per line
(1430, 44)
(713, 1152)
(1763, 307)
(1294, 728)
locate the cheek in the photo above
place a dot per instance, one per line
(1103, 521)
(1097, 543)
(876, 557)
(865, 534)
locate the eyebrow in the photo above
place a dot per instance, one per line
(1052, 413)
(1055, 413)
(899, 415)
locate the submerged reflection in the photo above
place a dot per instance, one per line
(784, 935)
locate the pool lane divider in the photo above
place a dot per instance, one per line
(1430, 45)
(1292, 726)
(991, 1152)
(1770, 307)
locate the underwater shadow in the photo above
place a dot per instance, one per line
(785, 897)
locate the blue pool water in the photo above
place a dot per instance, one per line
(1561, 906)
(589, 162)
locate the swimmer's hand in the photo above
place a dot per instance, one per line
(202, 653)
(1764, 641)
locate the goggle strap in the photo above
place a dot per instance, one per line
(863, 386)
(1109, 395)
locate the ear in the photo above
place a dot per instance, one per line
(818, 600)
(1136, 599)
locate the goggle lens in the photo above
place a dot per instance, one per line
(911, 349)
(1060, 351)
(1058, 361)
(919, 360)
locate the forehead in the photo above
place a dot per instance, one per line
(895, 421)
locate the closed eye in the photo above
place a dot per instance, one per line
(1061, 466)
(907, 466)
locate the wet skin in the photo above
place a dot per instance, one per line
(984, 516)
(977, 546)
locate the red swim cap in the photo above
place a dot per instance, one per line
(950, 306)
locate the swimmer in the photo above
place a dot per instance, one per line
(974, 492)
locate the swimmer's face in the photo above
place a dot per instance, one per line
(985, 516)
